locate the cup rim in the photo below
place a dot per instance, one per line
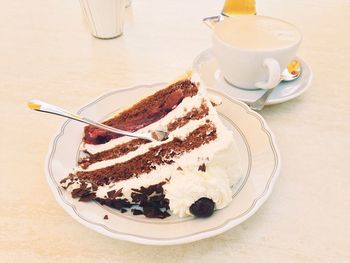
(297, 43)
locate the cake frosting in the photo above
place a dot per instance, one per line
(198, 160)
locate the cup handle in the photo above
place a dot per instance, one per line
(274, 74)
(211, 21)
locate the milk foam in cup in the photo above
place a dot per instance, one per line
(252, 51)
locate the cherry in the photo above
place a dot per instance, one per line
(203, 207)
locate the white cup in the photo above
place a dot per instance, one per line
(104, 17)
(252, 51)
(128, 3)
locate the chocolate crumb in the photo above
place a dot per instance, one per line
(136, 212)
(114, 194)
(119, 193)
(202, 167)
(179, 168)
(151, 200)
(79, 192)
(88, 197)
(105, 217)
(64, 180)
(94, 187)
(111, 194)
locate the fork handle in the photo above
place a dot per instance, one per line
(52, 109)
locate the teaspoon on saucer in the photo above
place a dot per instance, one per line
(38, 105)
(292, 72)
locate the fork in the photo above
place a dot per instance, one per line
(38, 105)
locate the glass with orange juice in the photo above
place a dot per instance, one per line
(239, 7)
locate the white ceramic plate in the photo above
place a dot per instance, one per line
(206, 66)
(258, 151)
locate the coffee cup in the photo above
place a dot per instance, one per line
(252, 51)
(105, 18)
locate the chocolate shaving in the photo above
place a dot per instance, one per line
(111, 194)
(114, 203)
(79, 192)
(83, 185)
(202, 167)
(136, 212)
(63, 181)
(153, 212)
(94, 187)
(105, 217)
(88, 197)
(150, 201)
(119, 193)
(69, 184)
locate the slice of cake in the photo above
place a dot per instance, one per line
(191, 173)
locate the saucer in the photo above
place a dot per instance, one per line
(206, 66)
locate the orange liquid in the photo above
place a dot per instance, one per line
(239, 7)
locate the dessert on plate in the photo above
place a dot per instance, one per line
(192, 173)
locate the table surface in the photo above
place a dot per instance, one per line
(46, 52)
